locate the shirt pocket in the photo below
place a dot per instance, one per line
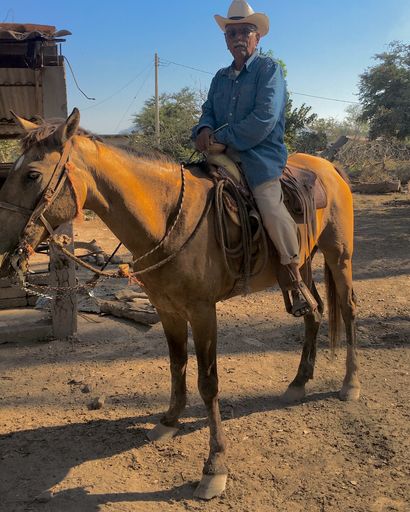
(245, 100)
(220, 106)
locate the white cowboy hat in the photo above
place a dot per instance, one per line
(241, 12)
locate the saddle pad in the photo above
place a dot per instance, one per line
(297, 183)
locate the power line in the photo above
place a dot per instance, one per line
(187, 67)
(291, 92)
(75, 81)
(136, 94)
(324, 98)
(119, 90)
(11, 12)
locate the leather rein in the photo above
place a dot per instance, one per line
(54, 186)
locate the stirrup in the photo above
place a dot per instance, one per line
(301, 302)
(307, 305)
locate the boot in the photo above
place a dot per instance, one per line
(303, 301)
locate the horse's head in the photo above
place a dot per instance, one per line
(30, 184)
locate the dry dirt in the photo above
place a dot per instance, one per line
(320, 455)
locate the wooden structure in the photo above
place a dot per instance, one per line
(32, 84)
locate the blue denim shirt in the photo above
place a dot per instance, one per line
(253, 104)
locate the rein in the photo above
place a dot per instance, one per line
(47, 198)
(60, 243)
(52, 190)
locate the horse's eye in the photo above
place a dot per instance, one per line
(33, 175)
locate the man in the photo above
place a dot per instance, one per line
(249, 98)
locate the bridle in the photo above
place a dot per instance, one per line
(50, 193)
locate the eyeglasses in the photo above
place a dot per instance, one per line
(236, 32)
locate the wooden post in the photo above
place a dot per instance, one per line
(157, 132)
(62, 274)
(62, 269)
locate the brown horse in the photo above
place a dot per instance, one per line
(137, 198)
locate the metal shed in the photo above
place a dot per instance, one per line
(32, 84)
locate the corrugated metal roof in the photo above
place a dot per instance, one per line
(18, 93)
(25, 32)
(21, 79)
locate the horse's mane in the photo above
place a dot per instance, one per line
(42, 135)
(145, 154)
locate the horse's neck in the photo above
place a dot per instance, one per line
(132, 196)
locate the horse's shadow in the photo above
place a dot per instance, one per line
(33, 461)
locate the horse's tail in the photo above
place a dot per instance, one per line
(334, 311)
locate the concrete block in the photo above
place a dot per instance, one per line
(13, 303)
(24, 325)
(11, 292)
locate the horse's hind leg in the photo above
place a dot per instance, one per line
(341, 298)
(203, 322)
(296, 389)
(176, 332)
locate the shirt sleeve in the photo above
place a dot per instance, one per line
(207, 118)
(269, 103)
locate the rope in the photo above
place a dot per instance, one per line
(168, 233)
(242, 251)
(307, 202)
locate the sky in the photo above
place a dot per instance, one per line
(325, 44)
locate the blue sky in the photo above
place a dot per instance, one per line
(325, 44)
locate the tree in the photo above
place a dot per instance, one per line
(297, 119)
(178, 113)
(310, 141)
(384, 92)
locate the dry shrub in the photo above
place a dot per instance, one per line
(376, 160)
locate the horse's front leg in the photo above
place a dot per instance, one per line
(176, 332)
(203, 322)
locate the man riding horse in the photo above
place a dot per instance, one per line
(248, 100)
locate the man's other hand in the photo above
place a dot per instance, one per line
(203, 140)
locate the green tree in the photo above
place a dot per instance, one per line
(178, 113)
(310, 141)
(297, 119)
(384, 92)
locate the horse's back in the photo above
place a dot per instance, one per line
(333, 179)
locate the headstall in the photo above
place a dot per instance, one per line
(47, 198)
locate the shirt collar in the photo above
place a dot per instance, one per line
(229, 71)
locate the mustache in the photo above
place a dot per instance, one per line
(240, 45)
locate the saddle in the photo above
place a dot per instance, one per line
(303, 191)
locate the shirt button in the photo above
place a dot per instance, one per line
(234, 98)
(236, 82)
(230, 113)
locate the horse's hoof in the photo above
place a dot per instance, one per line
(293, 394)
(162, 433)
(349, 393)
(210, 486)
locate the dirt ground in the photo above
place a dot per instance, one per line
(320, 455)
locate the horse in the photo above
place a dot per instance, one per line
(140, 199)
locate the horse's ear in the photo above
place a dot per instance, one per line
(69, 128)
(26, 125)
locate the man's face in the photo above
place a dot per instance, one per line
(242, 40)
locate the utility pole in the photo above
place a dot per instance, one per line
(157, 134)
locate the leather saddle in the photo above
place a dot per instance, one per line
(300, 187)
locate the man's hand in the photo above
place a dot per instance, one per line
(204, 139)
